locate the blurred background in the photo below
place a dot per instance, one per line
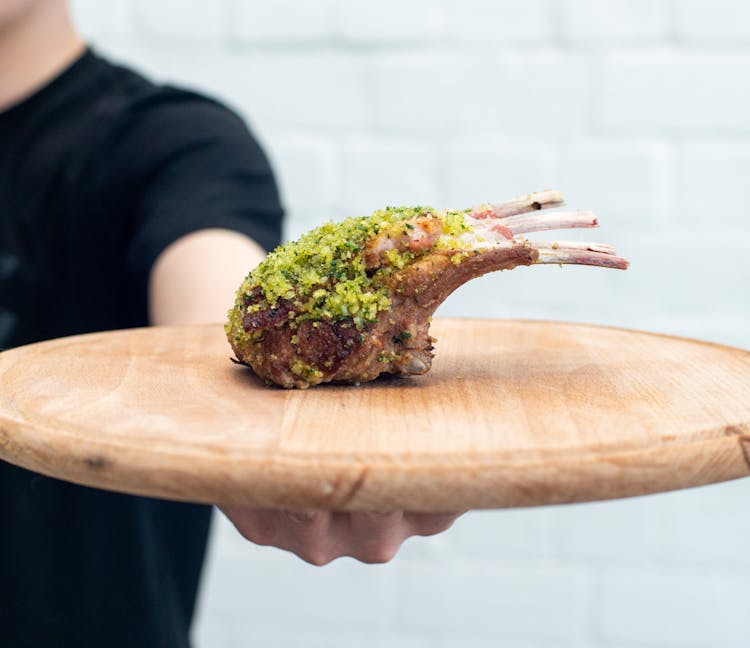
(636, 109)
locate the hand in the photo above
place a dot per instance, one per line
(318, 537)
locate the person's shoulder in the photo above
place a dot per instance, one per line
(145, 124)
(136, 100)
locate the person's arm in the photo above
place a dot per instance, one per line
(194, 279)
(193, 282)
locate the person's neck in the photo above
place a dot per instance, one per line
(34, 49)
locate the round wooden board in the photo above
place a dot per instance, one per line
(513, 413)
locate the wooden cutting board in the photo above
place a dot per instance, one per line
(513, 413)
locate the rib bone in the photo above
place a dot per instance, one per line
(521, 205)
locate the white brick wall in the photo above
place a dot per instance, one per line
(672, 607)
(723, 23)
(614, 21)
(677, 92)
(180, 22)
(282, 23)
(639, 109)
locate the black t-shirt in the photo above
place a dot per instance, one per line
(99, 171)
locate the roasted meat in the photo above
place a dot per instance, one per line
(353, 300)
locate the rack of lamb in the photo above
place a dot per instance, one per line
(352, 300)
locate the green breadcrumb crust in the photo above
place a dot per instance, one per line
(324, 274)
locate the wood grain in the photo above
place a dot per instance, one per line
(513, 413)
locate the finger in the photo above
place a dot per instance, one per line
(427, 524)
(374, 538)
(372, 527)
(311, 535)
(255, 524)
(304, 533)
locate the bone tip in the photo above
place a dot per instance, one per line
(545, 197)
(620, 263)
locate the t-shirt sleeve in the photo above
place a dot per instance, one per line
(202, 168)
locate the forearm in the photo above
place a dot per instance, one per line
(194, 280)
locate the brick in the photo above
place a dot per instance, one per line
(485, 23)
(683, 282)
(424, 93)
(674, 92)
(505, 600)
(614, 21)
(537, 93)
(304, 90)
(662, 292)
(492, 170)
(711, 526)
(215, 629)
(474, 23)
(380, 173)
(306, 169)
(388, 22)
(514, 533)
(397, 638)
(185, 22)
(443, 95)
(101, 22)
(472, 640)
(625, 183)
(710, 183)
(276, 91)
(665, 278)
(718, 22)
(635, 529)
(658, 607)
(288, 635)
(283, 22)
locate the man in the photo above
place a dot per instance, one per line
(123, 203)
